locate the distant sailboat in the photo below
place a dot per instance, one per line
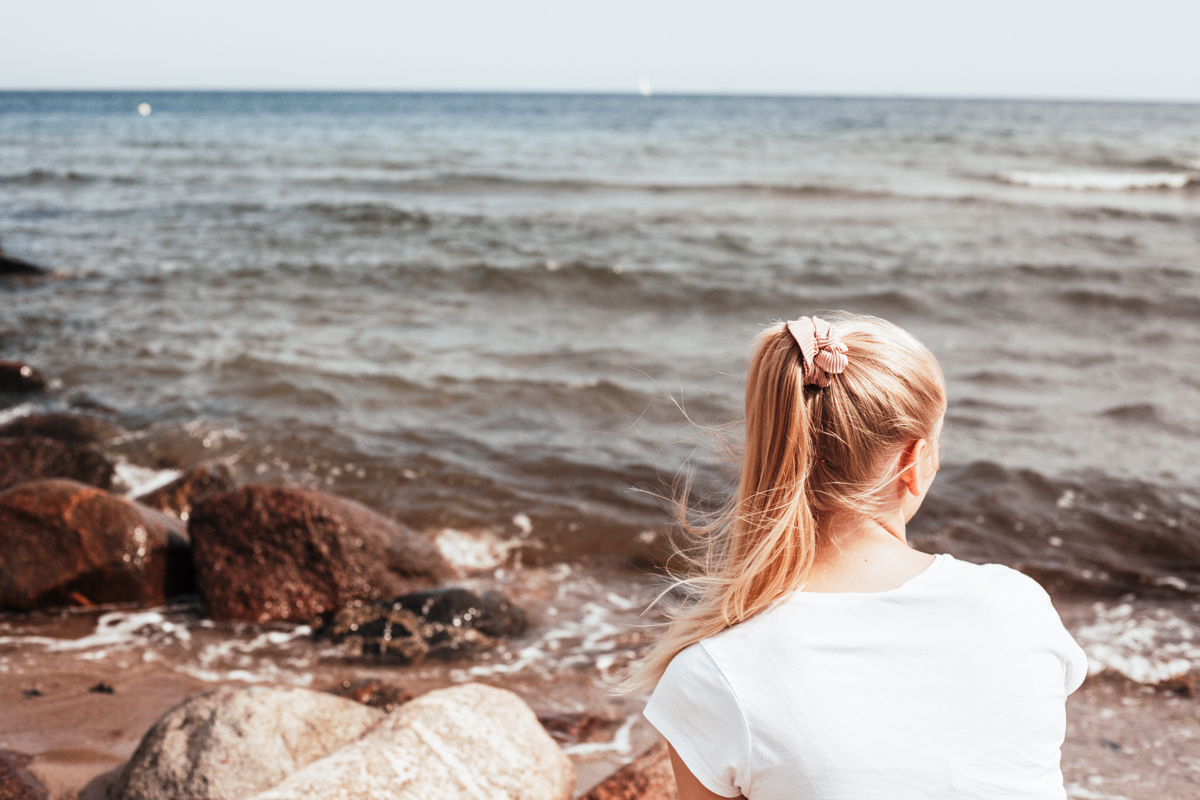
(644, 87)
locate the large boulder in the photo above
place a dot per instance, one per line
(20, 378)
(440, 623)
(270, 553)
(180, 495)
(233, 742)
(64, 543)
(76, 428)
(465, 743)
(16, 782)
(34, 457)
(648, 777)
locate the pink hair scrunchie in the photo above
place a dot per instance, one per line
(824, 353)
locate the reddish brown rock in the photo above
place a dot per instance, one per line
(647, 777)
(178, 496)
(19, 377)
(36, 458)
(270, 553)
(75, 428)
(63, 543)
(16, 782)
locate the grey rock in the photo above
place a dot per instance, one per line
(233, 742)
(464, 743)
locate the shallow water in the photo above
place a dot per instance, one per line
(469, 310)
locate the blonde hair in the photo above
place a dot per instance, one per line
(809, 455)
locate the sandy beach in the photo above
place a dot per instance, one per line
(1123, 740)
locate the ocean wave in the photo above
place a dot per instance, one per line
(377, 214)
(1099, 181)
(490, 182)
(44, 177)
(1093, 535)
(1176, 305)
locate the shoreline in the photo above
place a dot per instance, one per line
(1125, 741)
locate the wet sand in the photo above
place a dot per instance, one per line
(1125, 740)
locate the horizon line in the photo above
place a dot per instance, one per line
(618, 93)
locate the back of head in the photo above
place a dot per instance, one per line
(811, 455)
(839, 443)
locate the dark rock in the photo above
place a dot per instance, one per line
(64, 543)
(36, 458)
(74, 428)
(441, 623)
(19, 377)
(647, 777)
(234, 742)
(11, 265)
(178, 496)
(1186, 685)
(270, 553)
(102, 688)
(32, 693)
(572, 728)
(374, 692)
(16, 782)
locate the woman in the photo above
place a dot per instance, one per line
(819, 656)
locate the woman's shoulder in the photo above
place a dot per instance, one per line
(990, 577)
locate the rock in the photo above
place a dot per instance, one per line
(374, 693)
(36, 458)
(64, 543)
(233, 742)
(569, 728)
(178, 496)
(270, 553)
(464, 743)
(647, 777)
(443, 622)
(11, 265)
(16, 782)
(74, 428)
(19, 377)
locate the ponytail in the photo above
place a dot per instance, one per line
(809, 453)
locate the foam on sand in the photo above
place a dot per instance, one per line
(1146, 645)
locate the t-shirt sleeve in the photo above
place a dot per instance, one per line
(1076, 662)
(695, 709)
(1073, 658)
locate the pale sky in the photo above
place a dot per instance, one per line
(1086, 49)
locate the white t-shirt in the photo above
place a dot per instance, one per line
(952, 685)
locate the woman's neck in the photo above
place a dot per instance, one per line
(865, 555)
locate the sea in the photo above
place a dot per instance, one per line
(514, 321)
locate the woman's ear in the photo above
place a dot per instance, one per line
(910, 466)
